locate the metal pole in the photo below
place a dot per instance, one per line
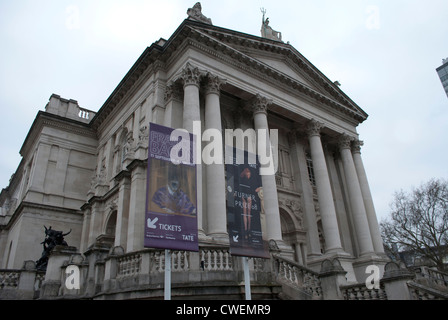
(247, 278)
(167, 274)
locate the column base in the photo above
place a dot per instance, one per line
(219, 238)
(344, 258)
(361, 264)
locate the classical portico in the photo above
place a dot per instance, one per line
(197, 95)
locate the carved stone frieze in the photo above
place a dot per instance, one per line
(294, 206)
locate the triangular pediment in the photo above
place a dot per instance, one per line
(284, 65)
(272, 60)
(280, 58)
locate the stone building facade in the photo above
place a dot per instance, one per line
(86, 171)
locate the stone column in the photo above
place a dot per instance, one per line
(324, 194)
(355, 197)
(367, 196)
(191, 77)
(301, 177)
(85, 229)
(273, 225)
(121, 228)
(216, 202)
(95, 223)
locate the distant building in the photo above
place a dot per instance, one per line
(442, 71)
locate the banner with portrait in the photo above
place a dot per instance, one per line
(171, 199)
(244, 201)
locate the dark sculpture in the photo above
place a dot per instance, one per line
(53, 238)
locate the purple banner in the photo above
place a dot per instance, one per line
(171, 214)
(244, 199)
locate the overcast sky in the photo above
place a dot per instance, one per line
(384, 53)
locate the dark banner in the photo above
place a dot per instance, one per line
(244, 196)
(171, 214)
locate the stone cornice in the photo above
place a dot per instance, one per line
(45, 119)
(34, 208)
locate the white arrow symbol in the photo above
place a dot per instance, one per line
(151, 223)
(235, 238)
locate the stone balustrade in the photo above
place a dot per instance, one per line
(23, 283)
(295, 275)
(361, 292)
(9, 278)
(421, 292)
(432, 277)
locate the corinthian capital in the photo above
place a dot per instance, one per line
(173, 91)
(191, 75)
(259, 104)
(345, 141)
(213, 84)
(313, 128)
(357, 144)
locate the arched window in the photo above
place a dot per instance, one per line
(111, 224)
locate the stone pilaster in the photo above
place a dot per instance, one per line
(173, 106)
(137, 202)
(121, 229)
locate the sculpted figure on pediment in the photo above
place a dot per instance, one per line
(195, 13)
(267, 31)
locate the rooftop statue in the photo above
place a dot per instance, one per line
(195, 13)
(267, 31)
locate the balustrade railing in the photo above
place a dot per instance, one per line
(298, 276)
(217, 259)
(9, 278)
(129, 264)
(435, 277)
(11, 285)
(361, 292)
(210, 259)
(420, 292)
